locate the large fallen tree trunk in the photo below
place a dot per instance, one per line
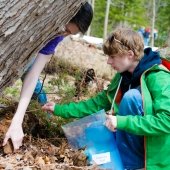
(25, 26)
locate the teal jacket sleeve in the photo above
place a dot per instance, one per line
(83, 108)
(157, 122)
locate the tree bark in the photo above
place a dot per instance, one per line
(25, 26)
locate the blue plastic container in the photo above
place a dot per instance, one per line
(101, 147)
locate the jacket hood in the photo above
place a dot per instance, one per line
(149, 59)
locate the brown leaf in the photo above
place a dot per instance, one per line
(28, 158)
(8, 148)
(47, 160)
(39, 161)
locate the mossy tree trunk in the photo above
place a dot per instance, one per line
(25, 26)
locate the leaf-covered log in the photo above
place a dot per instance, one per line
(25, 26)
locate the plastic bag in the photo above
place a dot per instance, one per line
(91, 133)
(75, 131)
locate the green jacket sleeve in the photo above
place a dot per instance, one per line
(83, 108)
(157, 122)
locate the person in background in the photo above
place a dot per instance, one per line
(79, 23)
(155, 33)
(146, 36)
(141, 31)
(141, 110)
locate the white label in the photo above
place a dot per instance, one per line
(101, 158)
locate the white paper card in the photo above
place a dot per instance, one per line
(101, 158)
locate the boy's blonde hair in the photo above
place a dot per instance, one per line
(122, 40)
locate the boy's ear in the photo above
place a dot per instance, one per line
(131, 54)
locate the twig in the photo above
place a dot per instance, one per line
(34, 110)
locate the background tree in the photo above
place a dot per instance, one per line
(92, 2)
(153, 22)
(106, 19)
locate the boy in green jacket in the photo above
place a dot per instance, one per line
(141, 109)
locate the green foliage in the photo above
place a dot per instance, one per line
(68, 91)
(98, 20)
(128, 12)
(125, 12)
(163, 22)
(42, 124)
(13, 90)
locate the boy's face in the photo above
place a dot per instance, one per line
(122, 63)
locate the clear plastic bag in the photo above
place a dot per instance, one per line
(75, 131)
(91, 133)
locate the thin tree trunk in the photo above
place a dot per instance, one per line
(92, 2)
(106, 19)
(153, 23)
(25, 26)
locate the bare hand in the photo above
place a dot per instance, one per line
(111, 122)
(15, 132)
(49, 107)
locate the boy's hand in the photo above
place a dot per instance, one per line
(49, 107)
(111, 122)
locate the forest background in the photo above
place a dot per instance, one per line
(132, 13)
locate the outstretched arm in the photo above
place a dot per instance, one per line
(15, 131)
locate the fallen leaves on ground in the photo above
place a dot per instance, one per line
(41, 154)
(38, 153)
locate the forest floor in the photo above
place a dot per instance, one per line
(77, 71)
